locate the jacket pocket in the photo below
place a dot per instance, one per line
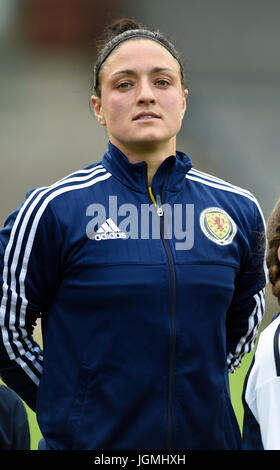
(232, 435)
(76, 415)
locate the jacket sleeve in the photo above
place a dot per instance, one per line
(247, 307)
(29, 262)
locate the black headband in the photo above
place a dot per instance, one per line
(131, 34)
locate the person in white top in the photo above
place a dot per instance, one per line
(261, 393)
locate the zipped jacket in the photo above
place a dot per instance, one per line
(261, 393)
(145, 306)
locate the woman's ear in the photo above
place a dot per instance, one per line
(278, 253)
(97, 107)
(185, 95)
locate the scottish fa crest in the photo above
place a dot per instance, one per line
(217, 225)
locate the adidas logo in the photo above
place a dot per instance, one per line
(108, 231)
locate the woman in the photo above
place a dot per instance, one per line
(261, 393)
(14, 426)
(148, 275)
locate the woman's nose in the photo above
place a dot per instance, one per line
(145, 92)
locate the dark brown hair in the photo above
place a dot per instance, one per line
(273, 238)
(120, 31)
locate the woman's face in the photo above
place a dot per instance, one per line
(142, 101)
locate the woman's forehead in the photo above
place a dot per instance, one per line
(138, 53)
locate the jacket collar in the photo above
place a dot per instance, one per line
(134, 175)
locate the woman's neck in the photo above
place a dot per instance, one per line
(153, 156)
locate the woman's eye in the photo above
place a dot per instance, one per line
(124, 85)
(162, 82)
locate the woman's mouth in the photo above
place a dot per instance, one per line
(144, 116)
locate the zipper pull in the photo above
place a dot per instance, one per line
(159, 208)
(159, 211)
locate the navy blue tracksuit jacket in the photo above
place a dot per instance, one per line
(144, 307)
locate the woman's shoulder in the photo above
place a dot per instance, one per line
(8, 397)
(218, 183)
(270, 329)
(77, 180)
(268, 350)
(241, 202)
